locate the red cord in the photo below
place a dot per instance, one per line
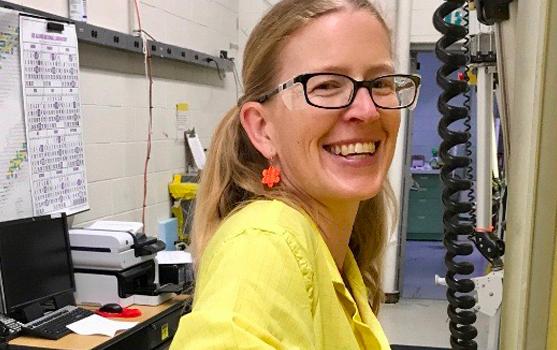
(148, 68)
(138, 16)
(149, 132)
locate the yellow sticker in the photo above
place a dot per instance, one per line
(182, 107)
(164, 331)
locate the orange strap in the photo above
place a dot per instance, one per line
(484, 229)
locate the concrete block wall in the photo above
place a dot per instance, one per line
(114, 99)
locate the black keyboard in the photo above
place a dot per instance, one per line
(53, 325)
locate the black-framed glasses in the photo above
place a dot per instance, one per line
(335, 91)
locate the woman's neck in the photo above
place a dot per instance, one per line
(335, 220)
(336, 223)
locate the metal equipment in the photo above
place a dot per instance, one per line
(468, 214)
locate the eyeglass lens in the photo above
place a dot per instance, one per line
(327, 90)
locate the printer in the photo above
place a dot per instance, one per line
(114, 262)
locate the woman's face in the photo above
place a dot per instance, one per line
(307, 139)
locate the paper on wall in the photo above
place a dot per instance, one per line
(197, 151)
(52, 108)
(15, 188)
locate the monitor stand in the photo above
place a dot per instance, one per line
(64, 299)
(31, 312)
(35, 310)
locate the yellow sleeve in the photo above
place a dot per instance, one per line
(253, 292)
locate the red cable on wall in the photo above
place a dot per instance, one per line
(149, 75)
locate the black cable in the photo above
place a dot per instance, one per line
(221, 77)
(469, 171)
(237, 81)
(457, 214)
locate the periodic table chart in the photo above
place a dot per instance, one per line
(50, 77)
(15, 190)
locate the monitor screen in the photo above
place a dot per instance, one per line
(35, 260)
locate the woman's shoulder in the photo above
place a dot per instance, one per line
(272, 217)
(269, 229)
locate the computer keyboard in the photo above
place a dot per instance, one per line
(53, 325)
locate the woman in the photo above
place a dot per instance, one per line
(292, 261)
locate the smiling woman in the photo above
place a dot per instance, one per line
(293, 260)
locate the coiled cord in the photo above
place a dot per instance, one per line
(456, 218)
(468, 120)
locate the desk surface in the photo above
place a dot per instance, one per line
(79, 342)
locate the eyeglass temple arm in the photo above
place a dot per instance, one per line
(275, 91)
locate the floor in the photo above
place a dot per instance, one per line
(423, 322)
(420, 317)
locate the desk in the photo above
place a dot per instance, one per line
(157, 325)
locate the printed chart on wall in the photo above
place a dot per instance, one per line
(15, 191)
(50, 75)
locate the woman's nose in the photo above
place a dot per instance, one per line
(363, 107)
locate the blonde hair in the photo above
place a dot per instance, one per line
(232, 174)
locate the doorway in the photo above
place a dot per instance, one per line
(423, 251)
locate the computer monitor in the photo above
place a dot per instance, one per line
(35, 266)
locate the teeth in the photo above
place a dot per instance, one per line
(353, 148)
(344, 150)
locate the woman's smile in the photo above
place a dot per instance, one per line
(357, 154)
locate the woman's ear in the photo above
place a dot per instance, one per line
(256, 123)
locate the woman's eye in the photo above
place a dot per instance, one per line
(384, 84)
(327, 86)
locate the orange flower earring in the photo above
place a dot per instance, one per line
(271, 176)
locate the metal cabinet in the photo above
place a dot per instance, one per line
(425, 208)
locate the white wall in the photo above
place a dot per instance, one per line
(422, 30)
(114, 100)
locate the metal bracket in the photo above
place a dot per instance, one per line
(492, 11)
(91, 34)
(489, 291)
(490, 246)
(482, 48)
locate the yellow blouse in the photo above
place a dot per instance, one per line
(268, 281)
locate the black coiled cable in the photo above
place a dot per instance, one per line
(468, 120)
(456, 218)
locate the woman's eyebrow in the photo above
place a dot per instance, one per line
(379, 68)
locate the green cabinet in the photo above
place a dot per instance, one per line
(425, 208)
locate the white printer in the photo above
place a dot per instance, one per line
(115, 263)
